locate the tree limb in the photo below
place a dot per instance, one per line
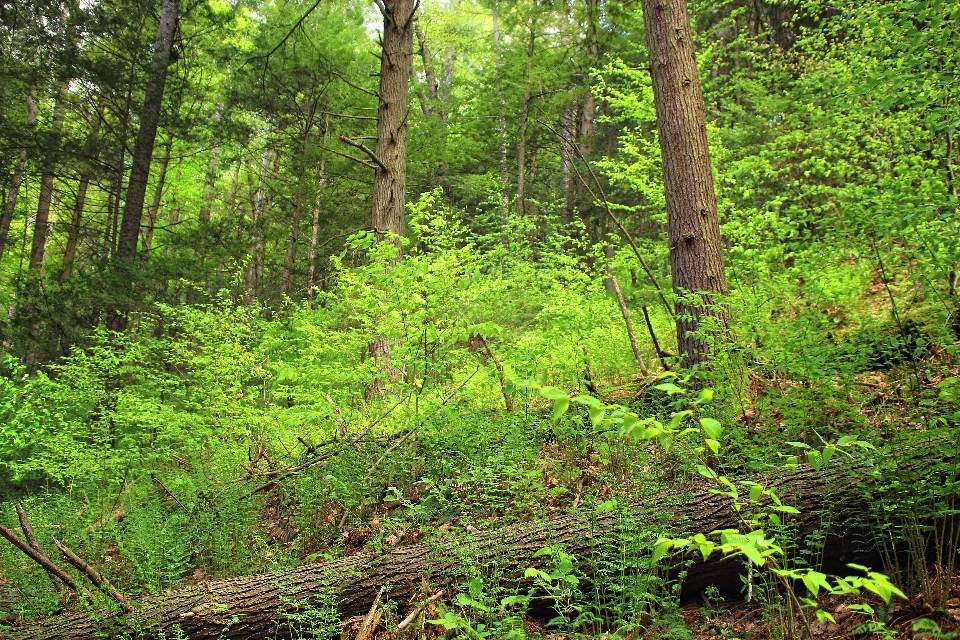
(366, 150)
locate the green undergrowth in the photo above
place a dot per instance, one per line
(160, 455)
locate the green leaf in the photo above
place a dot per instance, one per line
(712, 428)
(553, 393)
(714, 445)
(560, 406)
(660, 548)
(755, 492)
(670, 388)
(706, 472)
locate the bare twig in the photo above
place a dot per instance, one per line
(626, 320)
(282, 475)
(507, 396)
(99, 581)
(406, 622)
(39, 557)
(169, 493)
(32, 541)
(653, 337)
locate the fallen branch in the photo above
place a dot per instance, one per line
(40, 558)
(32, 541)
(98, 581)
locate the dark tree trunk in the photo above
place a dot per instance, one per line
(396, 62)
(695, 249)
(143, 150)
(13, 192)
(41, 224)
(261, 606)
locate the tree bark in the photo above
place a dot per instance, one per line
(13, 193)
(696, 254)
(262, 606)
(396, 61)
(143, 150)
(210, 182)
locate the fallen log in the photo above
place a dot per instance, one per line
(270, 605)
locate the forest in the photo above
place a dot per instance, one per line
(434, 319)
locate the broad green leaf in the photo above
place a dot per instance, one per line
(560, 406)
(669, 387)
(714, 445)
(553, 393)
(711, 427)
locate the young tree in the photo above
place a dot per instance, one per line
(696, 256)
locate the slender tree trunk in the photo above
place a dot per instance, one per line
(446, 85)
(566, 161)
(258, 209)
(73, 235)
(143, 149)
(524, 125)
(41, 224)
(502, 121)
(315, 232)
(390, 178)
(16, 180)
(694, 229)
(212, 168)
(290, 263)
(153, 210)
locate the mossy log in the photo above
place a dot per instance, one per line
(267, 605)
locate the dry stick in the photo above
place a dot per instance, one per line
(413, 429)
(169, 493)
(370, 622)
(32, 541)
(39, 557)
(626, 320)
(406, 622)
(616, 221)
(507, 396)
(653, 336)
(99, 581)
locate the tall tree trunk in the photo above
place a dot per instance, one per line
(696, 254)
(16, 180)
(390, 178)
(143, 150)
(566, 161)
(41, 224)
(73, 234)
(261, 201)
(315, 231)
(524, 125)
(153, 210)
(290, 262)
(502, 121)
(212, 167)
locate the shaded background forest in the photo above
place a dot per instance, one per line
(258, 286)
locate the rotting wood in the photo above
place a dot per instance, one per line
(264, 606)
